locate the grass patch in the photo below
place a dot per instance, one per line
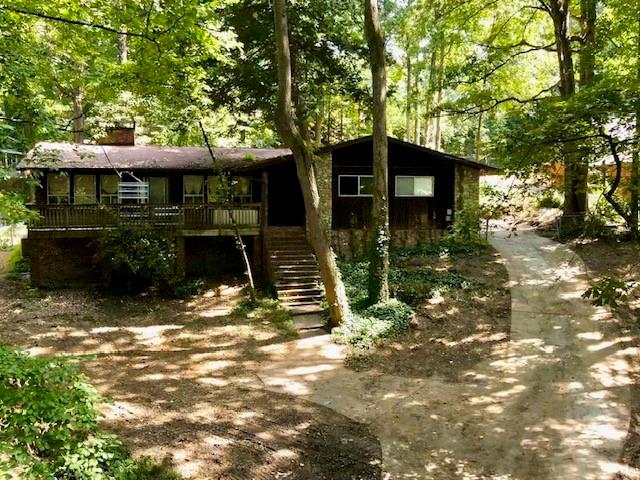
(266, 309)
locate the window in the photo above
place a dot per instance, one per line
(84, 189)
(158, 190)
(241, 189)
(355, 185)
(57, 188)
(193, 188)
(109, 188)
(414, 186)
(216, 189)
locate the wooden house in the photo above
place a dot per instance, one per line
(87, 189)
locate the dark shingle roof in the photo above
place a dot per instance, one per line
(74, 156)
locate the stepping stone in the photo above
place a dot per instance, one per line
(309, 321)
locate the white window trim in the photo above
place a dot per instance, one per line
(50, 195)
(199, 196)
(359, 177)
(433, 183)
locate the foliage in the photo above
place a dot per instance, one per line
(549, 200)
(466, 226)
(446, 246)
(609, 291)
(189, 288)
(374, 324)
(49, 416)
(17, 264)
(13, 210)
(267, 309)
(133, 259)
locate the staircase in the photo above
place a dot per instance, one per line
(294, 269)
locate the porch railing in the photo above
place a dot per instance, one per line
(183, 216)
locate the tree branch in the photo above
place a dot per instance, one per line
(476, 110)
(79, 23)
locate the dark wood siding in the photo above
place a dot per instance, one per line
(423, 212)
(286, 205)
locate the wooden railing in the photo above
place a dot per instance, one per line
(184, 216)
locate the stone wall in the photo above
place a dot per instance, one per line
(352, 243)
(467, 187)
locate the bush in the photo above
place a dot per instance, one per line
(549, 200)
(134, 259)
(374, 324)
(48, 414)
(466, 226)
(17, 264)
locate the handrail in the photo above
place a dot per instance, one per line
(179, 216)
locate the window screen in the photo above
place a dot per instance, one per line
(57, 188)
(216, 189)
(366, 185)
(84, 189)
(410, 186)
(241, 187)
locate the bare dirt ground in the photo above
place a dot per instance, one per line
(219, 397)
(455, 329)
(552, 403)
(178, 375)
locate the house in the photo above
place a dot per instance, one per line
(87, 189)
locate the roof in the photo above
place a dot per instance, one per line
(80, 156)
(420, 148)
(47, 155)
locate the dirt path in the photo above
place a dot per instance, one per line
(551, 404)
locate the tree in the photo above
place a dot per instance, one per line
(296, 137)
(380, 234)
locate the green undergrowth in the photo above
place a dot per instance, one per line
(17, 264)
(49, 426)
(267, 309)
(411, 281)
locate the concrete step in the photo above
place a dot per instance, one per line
(289, 295)
(298, 279)
(287, 262)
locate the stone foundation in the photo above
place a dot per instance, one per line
(352, 243)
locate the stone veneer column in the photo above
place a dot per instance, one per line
(467, 187)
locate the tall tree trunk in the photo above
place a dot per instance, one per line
(437, 136)
(304, 159)
(123, 47)
(478, 141)
(428, 122)
(635, 162)
(576, 169)
(78, 115)
(379, 253)
(407, 123)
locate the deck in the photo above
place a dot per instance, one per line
(188, 219)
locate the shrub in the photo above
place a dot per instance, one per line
(466, 226)
(17, 264)
(48, 414)
(374, 324)
(549, 200)
(134, 259)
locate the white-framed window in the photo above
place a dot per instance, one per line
(158, 190)
(193, 188)
(84, 189)
(414, 186)
(355, 185)
(109, 189)
(57, 188)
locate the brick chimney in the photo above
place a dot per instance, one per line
(119, 136)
